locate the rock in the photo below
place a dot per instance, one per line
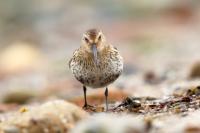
(193, 91)
(195, 71)
(19, 56)
(177, 123)
(130, 103)
(152, 78)
(19, 96)
(192, 129)
(53, 117)
(111, 123)
(11, 129)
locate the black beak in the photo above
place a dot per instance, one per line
(94, 51)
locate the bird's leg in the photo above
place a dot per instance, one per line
(85, 99)
(106, 96)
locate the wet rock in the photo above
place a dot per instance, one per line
(54, 116)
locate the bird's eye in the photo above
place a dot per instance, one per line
(86, 40)
(99, 38)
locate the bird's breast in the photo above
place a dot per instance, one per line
(95, 76)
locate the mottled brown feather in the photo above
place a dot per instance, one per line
(85, 69)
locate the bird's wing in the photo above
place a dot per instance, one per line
(70, 63)
(74, 53)
(115, 48)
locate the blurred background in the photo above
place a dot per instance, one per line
(159, 40)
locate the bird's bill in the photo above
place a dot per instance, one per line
(94, 51)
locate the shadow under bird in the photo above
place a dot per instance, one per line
(96, 63)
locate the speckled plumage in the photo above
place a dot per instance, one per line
(108, 70)
(96, 63)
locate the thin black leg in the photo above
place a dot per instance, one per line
(106, 95)
(84, 90)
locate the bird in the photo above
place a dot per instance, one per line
(96, 63)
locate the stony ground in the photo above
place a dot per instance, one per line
(158, 92)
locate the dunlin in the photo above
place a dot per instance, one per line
(96, 63)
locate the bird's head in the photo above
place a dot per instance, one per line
(93, 42)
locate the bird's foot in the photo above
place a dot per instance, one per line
(88, 107)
